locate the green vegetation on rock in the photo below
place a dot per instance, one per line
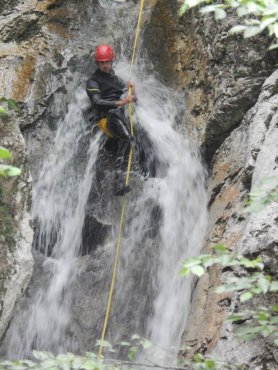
(256, 15)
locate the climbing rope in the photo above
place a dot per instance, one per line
(124, 197)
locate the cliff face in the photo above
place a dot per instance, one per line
(231, 103)
(221, 74)
(33, 36)
(15, 232)
(231, 113)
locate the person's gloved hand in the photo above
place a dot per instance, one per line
(126, 100)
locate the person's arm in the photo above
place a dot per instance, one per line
(126, 100)
(93, 92)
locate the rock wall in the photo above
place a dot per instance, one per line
(15, 231)
(33, 71)
(231, 114)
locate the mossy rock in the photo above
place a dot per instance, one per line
(274, 89)
(7, 222)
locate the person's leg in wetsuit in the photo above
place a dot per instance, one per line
(117, 125)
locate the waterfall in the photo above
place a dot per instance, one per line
(59, 200)
(178, 190)
(165, 221)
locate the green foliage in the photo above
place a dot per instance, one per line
(9, 103)
(91, 361)
(266, 193)
(198, 265)
(259, 15)
(246, 277)
(264, 322)
(46, 360)
(248, 280)
(7, 170)
(5, 153)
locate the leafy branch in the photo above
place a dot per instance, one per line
(264, 322)
(5, 154)
(7, 170)
(9, 103)
(248, 280)
(262, 15)
(265, 194)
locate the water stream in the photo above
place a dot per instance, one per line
(165, 221)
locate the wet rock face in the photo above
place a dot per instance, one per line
(15, 232)
(36, 64)
(220, 74)
(245, 159)
(7, 6)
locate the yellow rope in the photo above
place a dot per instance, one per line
(124, 197)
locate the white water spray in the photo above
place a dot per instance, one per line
(59, 201)
(179, 191)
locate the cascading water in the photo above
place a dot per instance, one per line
(165, 221)
(59, 200)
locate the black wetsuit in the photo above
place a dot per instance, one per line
(104, 90)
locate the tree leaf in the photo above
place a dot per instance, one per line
(197, 270)
(191, 261)
(219, 13)
(241, 11)
(247, 330)
(267, 21)
(234, 317)
(42, 356)
(245, 296)
(274, 320)
(221, 289)
(132, 353)
(2, 110)
(208, 9)
(264, 283)
(273, 46)
(219, 248)
(183, 9)
(9, 171)
(274, 286)
(135, 337)
(103, 343)
(184, 271)
(146, 344)
(275, 29)
(11, 104)
(5, 153)
(251, 31)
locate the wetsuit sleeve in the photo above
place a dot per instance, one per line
(93, 92)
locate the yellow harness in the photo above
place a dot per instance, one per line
(102, 125)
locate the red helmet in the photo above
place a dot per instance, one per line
(104, 53)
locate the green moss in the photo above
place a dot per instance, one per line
(274, 89)
(7, 223)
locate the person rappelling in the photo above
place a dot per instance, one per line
(105, 91)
